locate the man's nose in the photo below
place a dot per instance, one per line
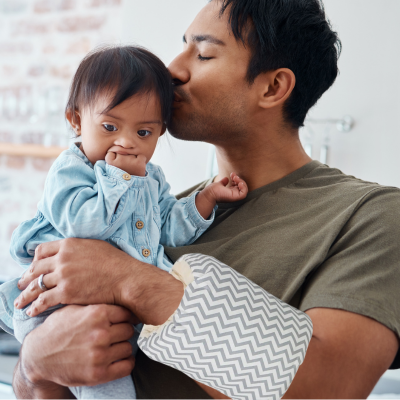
(179, 69)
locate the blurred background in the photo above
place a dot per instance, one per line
(354, 127)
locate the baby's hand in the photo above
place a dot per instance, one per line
(223, 194)
(134, 165)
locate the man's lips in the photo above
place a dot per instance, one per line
(177, 98)
(180, 96)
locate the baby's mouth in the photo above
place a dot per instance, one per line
(122, 151)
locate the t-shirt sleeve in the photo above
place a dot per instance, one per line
(361, 272)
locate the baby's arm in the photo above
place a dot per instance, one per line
(182, 222)
(219, 192)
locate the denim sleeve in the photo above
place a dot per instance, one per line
(181, 223)
(89, 203)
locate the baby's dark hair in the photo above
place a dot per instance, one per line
(124, 71)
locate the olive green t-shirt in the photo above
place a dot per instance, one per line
(315, 238)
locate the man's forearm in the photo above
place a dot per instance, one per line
(151, 294)
(25, 389)
(346, 356)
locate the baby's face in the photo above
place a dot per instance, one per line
(133, 127)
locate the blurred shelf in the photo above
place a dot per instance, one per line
(30, 150)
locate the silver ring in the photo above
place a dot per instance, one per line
(41, 283)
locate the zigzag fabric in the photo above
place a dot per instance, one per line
(231, 335)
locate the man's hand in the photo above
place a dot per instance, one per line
(84, 271)
(134, 165)
(77, 271)
(347, 355)
(77, 346)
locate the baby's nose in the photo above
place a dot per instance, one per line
(125, 142)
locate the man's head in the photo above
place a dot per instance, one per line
(245, 60)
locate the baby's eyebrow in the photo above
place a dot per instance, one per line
(110, 115)
(153, 122)
(158, 122)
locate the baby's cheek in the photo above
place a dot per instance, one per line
(94, 147)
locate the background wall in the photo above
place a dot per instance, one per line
(367, 89)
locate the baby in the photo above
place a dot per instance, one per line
(106, 188)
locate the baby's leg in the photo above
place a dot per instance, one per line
(120, 389)
(23, 323)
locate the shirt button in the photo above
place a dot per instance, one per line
(126, 176)
(146, 252)
(139, 224)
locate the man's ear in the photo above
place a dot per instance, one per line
(164, 128)
(275, 87)
(74, 119)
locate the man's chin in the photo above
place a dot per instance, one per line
(186, 126)
(183, 132)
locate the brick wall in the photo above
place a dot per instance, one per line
(41, 45)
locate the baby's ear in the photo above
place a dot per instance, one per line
(74, 119)
(164, 128)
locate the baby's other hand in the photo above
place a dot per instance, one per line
(134, 165)
(237, 191)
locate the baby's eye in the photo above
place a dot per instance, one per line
(110, 128)
(144, 133)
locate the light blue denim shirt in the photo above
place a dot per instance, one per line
(135, 214)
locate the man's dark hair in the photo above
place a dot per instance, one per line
(124, 71)
(292, 34)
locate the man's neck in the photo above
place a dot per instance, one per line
(262, 161)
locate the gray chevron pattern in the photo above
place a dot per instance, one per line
(232, 335)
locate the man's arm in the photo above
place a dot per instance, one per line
(25, 389)
(344, 344)
(83, 271)
(347, 355)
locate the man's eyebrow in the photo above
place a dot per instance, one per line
(204, 38)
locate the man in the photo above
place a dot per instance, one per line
(319, 240)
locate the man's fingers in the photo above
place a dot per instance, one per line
(121, 332)
(120, 369)
(46, 250)
(117, 314)
(43, 302)
(120, 351)
(32, 291)
(42, 266)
